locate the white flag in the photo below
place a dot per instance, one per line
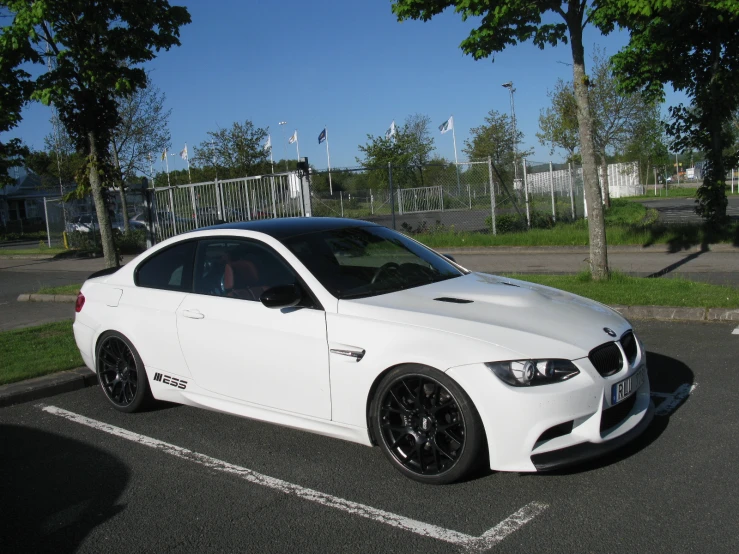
(294, 137)
(390, 133)
(183, 153)
(448, 125)
(268, 145)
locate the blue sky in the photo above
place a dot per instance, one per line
(347, 65)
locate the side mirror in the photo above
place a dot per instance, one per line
(449, 257)
(282, 296)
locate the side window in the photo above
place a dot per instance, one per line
(170, 269)
(239, 269)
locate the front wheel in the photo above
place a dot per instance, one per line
(121, 373)
(426, 425)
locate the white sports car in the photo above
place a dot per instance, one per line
(354, 331)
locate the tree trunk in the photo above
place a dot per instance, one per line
(596, 221)
(106, 231)
(124, 204)
(604, 181)
(711, 196)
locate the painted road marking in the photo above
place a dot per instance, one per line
(735, 331)
(467, 542)
(673, 400)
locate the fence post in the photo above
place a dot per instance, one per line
(341, 202)
(469, 194)
(492, 194)
(48, 234)
(441, 196)
(194, 206)
(390, 183)
(219, 200)
(526, 194)
(171, 209)
(274, 204)
(551, 187)
(572, 191)
(655, 181)
(372, 203)
(148, 203)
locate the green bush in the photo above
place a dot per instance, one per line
(35, 235)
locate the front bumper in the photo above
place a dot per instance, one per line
(550, 426)
(579, 453)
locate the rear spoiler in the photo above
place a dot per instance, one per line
(104, 272)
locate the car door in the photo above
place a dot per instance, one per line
(237, 347)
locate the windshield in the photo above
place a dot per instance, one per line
(357, 262)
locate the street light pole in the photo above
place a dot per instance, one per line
(511, 90)
(284, 144)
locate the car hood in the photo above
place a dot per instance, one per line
(531, 320)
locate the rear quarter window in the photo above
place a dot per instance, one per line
(169, 269)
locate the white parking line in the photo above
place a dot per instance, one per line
(673, 400)
(467, 542)
(735, 331)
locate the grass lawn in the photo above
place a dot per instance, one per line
(4, 252)
(36, 351)
(640, 291)
(64, 289)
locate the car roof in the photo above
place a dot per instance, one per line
(286, 227)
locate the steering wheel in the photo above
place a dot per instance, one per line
(383, 268)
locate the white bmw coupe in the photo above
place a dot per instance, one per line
(351, 330)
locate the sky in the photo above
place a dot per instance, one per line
(348, 66)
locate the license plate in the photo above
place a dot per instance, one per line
(627, 387)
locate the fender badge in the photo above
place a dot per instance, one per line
(610, 332)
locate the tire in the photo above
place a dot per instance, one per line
(426, 425)
(121, 373)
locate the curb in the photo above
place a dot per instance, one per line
(625, 249)
(47, 298)
(48, 385)
(666, 313)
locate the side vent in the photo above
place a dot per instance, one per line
(453, 300)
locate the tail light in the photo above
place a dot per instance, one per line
(80, 302)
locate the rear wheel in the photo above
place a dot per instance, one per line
(426, 425)
(121, 373)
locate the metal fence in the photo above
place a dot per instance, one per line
(186, 207)
(472, 196)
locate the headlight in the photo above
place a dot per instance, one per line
(529, 373)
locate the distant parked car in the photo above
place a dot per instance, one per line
(83, 224)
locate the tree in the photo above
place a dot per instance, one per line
(409, 151)
(615, 114)
(494, 138)
(692, 46)
(506, 23)
(94, 50)
(235, 152)
(143, 130)
(13, 96)
(558, 123)
(647, 142)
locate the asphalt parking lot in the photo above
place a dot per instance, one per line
(78, 476)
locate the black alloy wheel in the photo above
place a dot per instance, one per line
(428, 428)
(121, 373)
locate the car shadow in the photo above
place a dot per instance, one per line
(54, 490)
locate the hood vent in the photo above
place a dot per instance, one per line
(453, 300)
(510, 284)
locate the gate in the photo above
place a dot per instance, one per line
(184, 208)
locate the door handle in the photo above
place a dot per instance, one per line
(192, 314)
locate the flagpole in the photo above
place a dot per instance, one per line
(328, 156)
(456, 162)
(187, 159)
(271, 159)
(166, 160)
(297, 143)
